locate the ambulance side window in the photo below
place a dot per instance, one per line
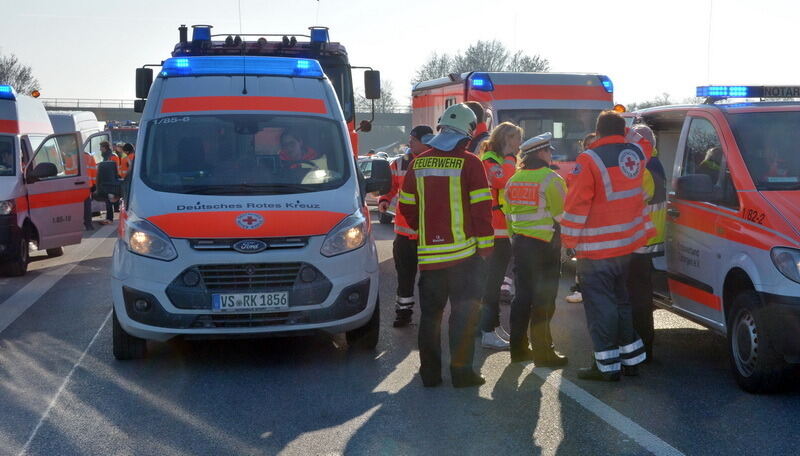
(703, 150)
(49, 153)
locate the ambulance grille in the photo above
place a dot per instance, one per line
(244, 277)
(247, 320)
(227, 244)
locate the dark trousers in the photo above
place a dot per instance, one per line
(87, 212)
(404, 250)
(640, 289)
(537, 265)
(461, 285)
(608, 312)
(497, 264)
(109, 211)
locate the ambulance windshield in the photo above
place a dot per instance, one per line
(569, 127)
(770, 145)
(243, 154)
(7, 167)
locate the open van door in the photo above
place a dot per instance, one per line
(57, 185)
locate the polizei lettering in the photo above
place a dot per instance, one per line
(439, 162)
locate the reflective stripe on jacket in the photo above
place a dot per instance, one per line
(655, 184)
(535, 202)
(498, 171)
(445, 197)
(604, 210)
(399, 168)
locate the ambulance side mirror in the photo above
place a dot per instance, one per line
(144, 79)
(380, 178)
(695, 187)
(372, 84)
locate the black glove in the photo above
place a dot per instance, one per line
(571, 253)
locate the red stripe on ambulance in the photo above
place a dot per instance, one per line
(223, 224)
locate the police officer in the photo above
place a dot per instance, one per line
(603, 222)
(404, 248)
(535, 201)
(640, 279)
(445, 198)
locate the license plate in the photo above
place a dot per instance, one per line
(250, 302)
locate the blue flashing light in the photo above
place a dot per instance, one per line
(319, 34)
(607, 84)
(482, 82)
(725, 91)
(201, 33)
(7, 93)
(236, 65)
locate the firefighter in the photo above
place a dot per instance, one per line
(640, 279)
(445, 198)
(603, 222)
(500, 162)
(404, 248)
(535, 202)
(481, 133)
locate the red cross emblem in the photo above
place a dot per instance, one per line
(629, 163)
(249, 221)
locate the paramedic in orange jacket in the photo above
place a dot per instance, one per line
(604, 223)
(446, 199)
(500, 162)
(404, 248)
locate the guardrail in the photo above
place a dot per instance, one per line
(87, 103)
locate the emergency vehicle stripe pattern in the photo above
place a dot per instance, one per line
(223, 224)
(251, 103)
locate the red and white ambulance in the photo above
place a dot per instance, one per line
(245, 211)
(733, 223)
(565, 104)
(43, 183)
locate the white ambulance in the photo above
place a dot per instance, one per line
(43, 183)
(245, 213)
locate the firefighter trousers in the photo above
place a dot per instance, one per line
(608, 313)
(496, 264)
(461, 285)
(537, 266)
(404, 250)
(640, 288)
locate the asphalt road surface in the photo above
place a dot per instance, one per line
(62, 392)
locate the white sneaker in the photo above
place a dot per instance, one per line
(575, 297)
(501, 333)
(493, 341)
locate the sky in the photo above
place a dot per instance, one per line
(90, 48)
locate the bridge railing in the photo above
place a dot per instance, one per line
(87, 103)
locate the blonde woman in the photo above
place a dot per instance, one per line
(500, 162)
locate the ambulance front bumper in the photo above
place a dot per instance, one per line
(783, 319)
(341, 298)
(10, 235)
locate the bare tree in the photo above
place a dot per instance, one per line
(480, 56)
(386, 103)
(17, 75)
(662, 100)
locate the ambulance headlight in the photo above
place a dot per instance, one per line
(787, 261)
(143, 238)
(6, 207)
(350, 234)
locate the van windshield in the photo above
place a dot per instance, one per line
(770, 145)
(243, 154)
(569, 127)
(127, 135)
(7, 162)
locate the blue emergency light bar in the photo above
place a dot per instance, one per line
(607, 84)
(748, 91)
(319, 34)
(481, 81)
(236, 65)
(7, 93)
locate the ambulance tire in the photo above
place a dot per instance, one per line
(385, 219)
(18, 265)
(366, 337)
(56, 252)
(125, 346)
(756, 365)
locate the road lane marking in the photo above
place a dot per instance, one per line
(63, 387)
(16, 305)
(618, 421)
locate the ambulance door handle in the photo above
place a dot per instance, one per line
(674, 213)
(80, 182)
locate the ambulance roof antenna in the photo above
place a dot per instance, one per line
(708, 49)
(244, 59)
(316, 21)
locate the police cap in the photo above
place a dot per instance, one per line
(537, 143)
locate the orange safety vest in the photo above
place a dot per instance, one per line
(91, 168)
(399, 168)
(604, 210)
(498, 172)
(71, 165)
(126, 165)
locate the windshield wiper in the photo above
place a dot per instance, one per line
(245, 189)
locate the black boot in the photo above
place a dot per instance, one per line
(593, 373)
(547, 357)
(403, 318)
(630, 371)
(521, 355)
(466, 378)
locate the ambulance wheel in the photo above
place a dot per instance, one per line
(757, 367)
(126, 346)
(56, 252)
(385, 219)
(366, 337)
(18, 265)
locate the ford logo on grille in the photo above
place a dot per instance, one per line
(250, 246)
